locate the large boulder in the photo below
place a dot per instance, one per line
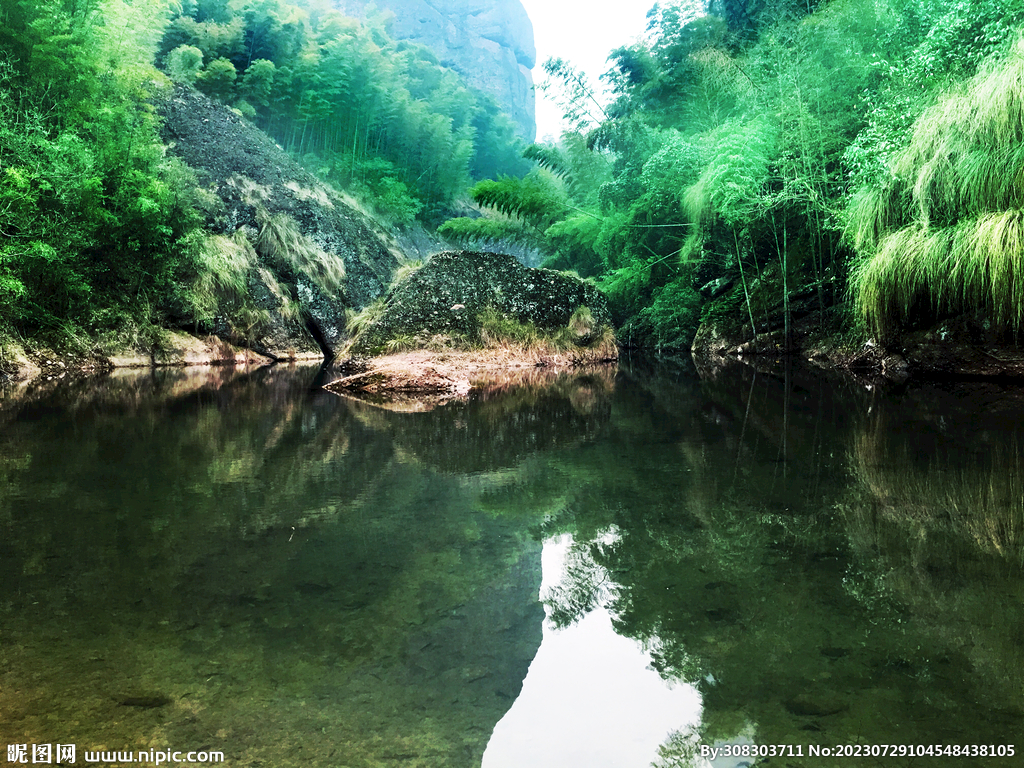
(448, 294)
(310, 247)
(488, 42)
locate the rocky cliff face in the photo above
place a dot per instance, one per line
(315, 253)
(488, 42)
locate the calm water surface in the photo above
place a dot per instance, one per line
(606, 570)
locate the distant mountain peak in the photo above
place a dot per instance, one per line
(488, 42)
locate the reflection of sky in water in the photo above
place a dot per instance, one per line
(589, 698)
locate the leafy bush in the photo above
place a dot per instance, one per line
(377, 181)
(669, 323)
(184, 64)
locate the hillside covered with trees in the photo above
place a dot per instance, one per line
(107, 233)
(765, 176)
(848, 168)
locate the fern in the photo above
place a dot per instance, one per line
(536, 199)
(550, 158)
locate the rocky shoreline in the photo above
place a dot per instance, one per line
(23, 363)
(427, 336)
(432, 378)
(955, 349)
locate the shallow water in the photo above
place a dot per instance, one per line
(238, 561)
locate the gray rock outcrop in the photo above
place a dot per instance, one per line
(448, 294)
(313, 253)
(488, 42)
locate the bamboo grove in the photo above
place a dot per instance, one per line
(863, 155)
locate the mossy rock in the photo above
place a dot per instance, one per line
(448, 294)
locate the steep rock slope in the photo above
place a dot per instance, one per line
(311, 252)
(488, 42)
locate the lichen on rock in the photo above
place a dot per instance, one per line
(448, 295)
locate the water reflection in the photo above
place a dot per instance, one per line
(238, 562)
(242, 565)
(760, 558)
(590, 697)
(502, 423)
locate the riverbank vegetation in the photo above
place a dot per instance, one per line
(101, 229)
(828, 165)
(812, 151)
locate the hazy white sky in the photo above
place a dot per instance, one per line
(590, 698)
(584, 32)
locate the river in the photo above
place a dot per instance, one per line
(614, 569)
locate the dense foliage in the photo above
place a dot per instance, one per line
(751, 144)
(943, 235)
(101, 230)
(797, 151)
(91, 212)
(381, 116)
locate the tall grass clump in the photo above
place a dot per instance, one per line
(280, 242)
(405, 270)
(220, 289)
(945, 234)
(221, 266)
(357, 322)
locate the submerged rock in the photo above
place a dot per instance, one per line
(821, 704)
(448, 294)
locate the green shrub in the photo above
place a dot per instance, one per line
(184, 64)
(669, 323)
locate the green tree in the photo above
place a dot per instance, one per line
(218, 79)
(258, 82)
(184, 64)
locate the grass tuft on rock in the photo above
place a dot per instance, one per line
(281, 243)
(581, 340)
(221, 266)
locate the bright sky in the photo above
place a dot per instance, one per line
(590, 697)
(584, 32)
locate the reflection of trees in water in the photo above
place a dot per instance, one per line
(940, 526)
(253, 553)
(583, 585)
(929, 485)
(822, 573)
(502, 423)
(158, 475)
(736, 560)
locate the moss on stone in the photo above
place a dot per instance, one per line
(450, 293)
